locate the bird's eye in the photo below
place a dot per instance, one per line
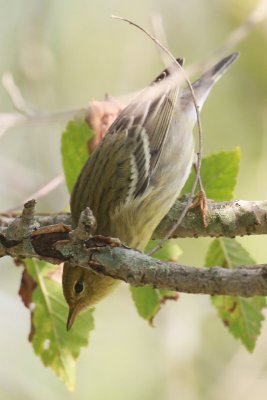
(78, 287)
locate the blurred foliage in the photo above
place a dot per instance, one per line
(63, 54)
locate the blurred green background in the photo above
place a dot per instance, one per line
(64, 53)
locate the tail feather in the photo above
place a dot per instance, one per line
(215, 72)
(205, 83)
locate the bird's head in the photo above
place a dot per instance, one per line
(82, 289)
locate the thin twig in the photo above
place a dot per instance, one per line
(257, 15)
(200, 132)
(159, 32)
(26, 112)
(15, 95)
(9, 120)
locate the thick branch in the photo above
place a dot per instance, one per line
(139, 270)
(23, 238)
(43, 219)
(229, 219)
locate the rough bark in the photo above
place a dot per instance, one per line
(25, 237)
(228, 219)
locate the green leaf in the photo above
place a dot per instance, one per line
(219, 174)
(148, 300)
(74, 149)
(44, 268)
(227, 253)
(56, 347)
(242, 316)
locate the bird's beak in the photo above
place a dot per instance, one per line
(73, 312)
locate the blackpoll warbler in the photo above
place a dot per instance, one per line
(136, 173)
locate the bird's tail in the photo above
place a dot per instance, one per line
(217, 70)
(205, 83)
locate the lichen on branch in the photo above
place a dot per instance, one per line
(29, 236)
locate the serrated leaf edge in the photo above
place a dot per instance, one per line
(40, 281)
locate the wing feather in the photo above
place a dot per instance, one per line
(127, 156)
(150, 113)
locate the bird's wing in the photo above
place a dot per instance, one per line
(121, 167)
(111, 176)
(148, 117)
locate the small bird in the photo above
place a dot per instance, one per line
(136, 173)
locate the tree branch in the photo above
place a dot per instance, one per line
(228, 219)
(24, 237)
(139, 270)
